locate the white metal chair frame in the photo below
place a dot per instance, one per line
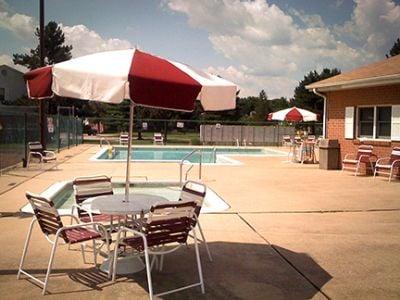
(43, 155)
(380, 163)
(363, 158)
(199, 201)
(123, 138)
(158, 139)
(55, 242)
(155, 251)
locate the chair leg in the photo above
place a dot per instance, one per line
(148, 272)
(28, 238)
(161, 260)
(53, 251)
(196, 247)
(204, 241)
(357, 168)
(95, 252)
(83, 253)
(391, 174)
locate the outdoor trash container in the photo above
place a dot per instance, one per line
(329, 154)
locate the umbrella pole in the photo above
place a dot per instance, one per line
(128, 156)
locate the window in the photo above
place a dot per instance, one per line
(383, 122)
(2, 94)
(366, 122)
(375, 122)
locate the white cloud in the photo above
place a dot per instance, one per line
(7, 60)
(85, 41)
(22, 26)
(270, 51)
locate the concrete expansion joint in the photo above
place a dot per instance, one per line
(282, 256)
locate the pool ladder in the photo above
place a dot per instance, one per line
(191, 167)
(105, 140)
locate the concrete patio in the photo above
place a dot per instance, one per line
(292, 232)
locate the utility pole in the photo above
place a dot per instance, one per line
(42, 103)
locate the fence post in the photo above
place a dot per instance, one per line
(58, 131)
(69, 129)
(165, 131)
(25, 160)
(277, 126)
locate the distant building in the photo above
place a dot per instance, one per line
(12, 84)
(363, 106)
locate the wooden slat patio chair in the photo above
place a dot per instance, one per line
(46, 215)
(36, 150)
(169, 224)
(388, 165)
(158, 139)
(88, 187)
(364, 155)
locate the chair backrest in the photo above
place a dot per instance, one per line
(194, 191)
(46, 214)
(93, 186)
(365, 150)
(311, 138)
(123, 137)
(286, 138)
(169, 222)
(35, 147)
(395, 154)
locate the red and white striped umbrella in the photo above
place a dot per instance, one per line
(146, 79)
(293, 114)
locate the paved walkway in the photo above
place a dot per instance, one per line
(293, 232)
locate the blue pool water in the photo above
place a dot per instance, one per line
(209, 155)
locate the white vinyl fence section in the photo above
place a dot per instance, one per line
(246, 135)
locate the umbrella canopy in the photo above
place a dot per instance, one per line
(145, 79)
(293, 114)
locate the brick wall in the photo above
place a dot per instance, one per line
(337, 101)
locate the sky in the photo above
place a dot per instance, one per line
(259, 44)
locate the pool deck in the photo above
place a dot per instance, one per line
(293, 232)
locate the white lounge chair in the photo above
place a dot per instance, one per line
(36, 151)
(364, 155)
(123, 138)
(388, 165)
(158, 139)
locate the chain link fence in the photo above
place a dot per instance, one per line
(199, 132)
(17, 129)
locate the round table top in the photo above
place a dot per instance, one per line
(114, 204)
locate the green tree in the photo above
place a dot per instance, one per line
(395, 49)
(307, 99)
(54, 49)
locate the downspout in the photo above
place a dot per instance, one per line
(325, 110)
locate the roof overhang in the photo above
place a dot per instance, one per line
(356, 83)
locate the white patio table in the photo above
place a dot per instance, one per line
(139, 203)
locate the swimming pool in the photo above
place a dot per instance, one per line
(209, 155)
(62, 194)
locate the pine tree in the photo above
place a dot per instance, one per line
(54, 49)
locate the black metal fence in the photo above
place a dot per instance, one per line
(19, 128)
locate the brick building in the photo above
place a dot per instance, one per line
(363, 106)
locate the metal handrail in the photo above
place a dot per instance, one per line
(185, 158)
(104, 139)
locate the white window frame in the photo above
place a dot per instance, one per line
(374, 123)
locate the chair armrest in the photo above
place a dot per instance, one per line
(73, 217)
(36, 153)
(365, 157)
(51, 153)
(77, 207)
(396, 163)
(382, 160)
(349, 156)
